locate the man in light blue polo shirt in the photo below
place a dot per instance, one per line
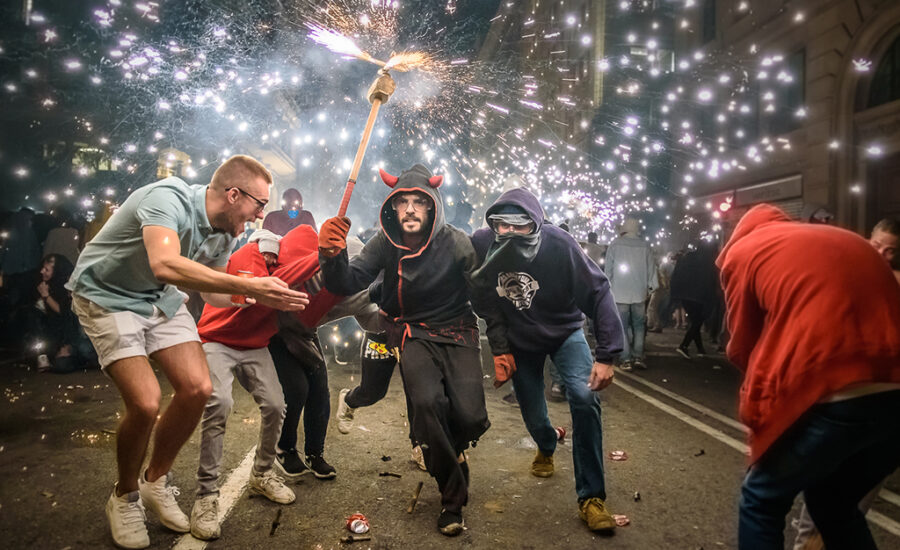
(165, 235)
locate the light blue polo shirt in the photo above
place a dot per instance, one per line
(113, 270)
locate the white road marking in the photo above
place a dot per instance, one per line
(687, 402)
(228, 496)
(687, 419)
(886, 523)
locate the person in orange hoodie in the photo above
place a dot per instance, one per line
(820, 352)
(235, 340)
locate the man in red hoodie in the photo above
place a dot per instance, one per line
(821, 357)
(235, 341)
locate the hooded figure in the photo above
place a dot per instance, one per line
(632, 275)
(813, 312)
(426, 266)
(542, 282)
(291, 214)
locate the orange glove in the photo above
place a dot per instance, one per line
(333, 236)
(504, 367)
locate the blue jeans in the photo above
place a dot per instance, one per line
(834, 454)
(633, 316)
(574, 361)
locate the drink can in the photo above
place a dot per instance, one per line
(357, 523)
(560, 433)
(240, 299)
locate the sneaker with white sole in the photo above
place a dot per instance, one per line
(126, 520)
(205, 517)
(344, 412)
(159, 498)
(271, 486)
(290, 463)
(419, 458)
(319, 467)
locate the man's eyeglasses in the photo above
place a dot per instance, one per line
(260, 205)
(419, 204)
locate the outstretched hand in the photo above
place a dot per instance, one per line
(275, 293)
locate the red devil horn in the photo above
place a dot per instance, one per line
(388, 179)
(435, 181)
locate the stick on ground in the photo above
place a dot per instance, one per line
(415, 498)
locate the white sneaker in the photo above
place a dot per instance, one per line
(126, 520)
(419, 458)
(344, 413)
(159, 498)
(205, 517)
(272, 487)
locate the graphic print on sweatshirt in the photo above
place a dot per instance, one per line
(517, 287)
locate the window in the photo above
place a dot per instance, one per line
(788, 98)
(709, 21)
(886, 82)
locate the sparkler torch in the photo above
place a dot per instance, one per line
(378, 93)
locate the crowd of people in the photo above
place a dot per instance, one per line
(175, 277)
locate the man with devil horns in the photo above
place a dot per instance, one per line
(429, 322)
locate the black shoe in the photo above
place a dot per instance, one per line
(319, 467)
(290, 464)
(639, 364)
(450, 523)
(510, 399)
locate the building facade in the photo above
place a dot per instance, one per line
(844, 152)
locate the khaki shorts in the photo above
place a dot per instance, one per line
(120, 334)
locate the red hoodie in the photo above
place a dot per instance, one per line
(812, 309)
(252, 327)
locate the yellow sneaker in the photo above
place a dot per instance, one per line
(594, 513)
(542, 466)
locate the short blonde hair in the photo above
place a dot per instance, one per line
(237, 169)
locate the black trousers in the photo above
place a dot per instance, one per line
(445, 396)
(304, 381)
(377, 363)
(696, 315)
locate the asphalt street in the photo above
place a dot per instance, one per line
(678, 487)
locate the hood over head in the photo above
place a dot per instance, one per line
(416, 179)
(755, 218)
(631, 227)
(513, 205)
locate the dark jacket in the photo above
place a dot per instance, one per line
(425, 292)
(695, 277)
(544, 284)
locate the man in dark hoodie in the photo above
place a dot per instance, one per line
(429, 322)
(545, 285)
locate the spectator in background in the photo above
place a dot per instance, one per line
(657, 318)
(291, 214)
(51, 326)
(695, 285)
(64, 239)
(593, 250)
(632, 275)
(463, 216)
(886, 240)
(21, 258)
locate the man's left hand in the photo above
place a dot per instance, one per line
(601, 376)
